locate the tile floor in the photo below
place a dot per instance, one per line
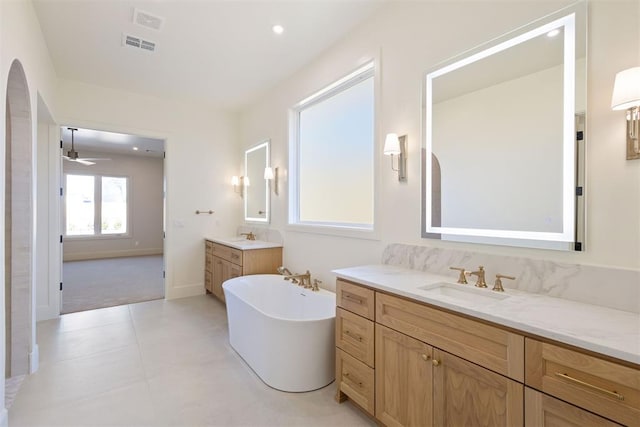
(158, 363)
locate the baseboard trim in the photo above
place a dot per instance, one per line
(111, 254)
(185, 291)
(4, 417)
(34, 359)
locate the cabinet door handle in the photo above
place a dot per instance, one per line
(435, 362)
(425, 357)
(614, 394)
(352, 335)
(352, 298)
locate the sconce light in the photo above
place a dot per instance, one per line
(239, 182)
(271, 175)
(394, 144)
(626, 96)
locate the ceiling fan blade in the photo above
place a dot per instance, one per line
(84, 162)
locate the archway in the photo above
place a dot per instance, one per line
(18, 223)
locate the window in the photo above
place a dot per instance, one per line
(86, 217)
(332, 162)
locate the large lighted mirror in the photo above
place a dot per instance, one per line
(256, 198)
(502, 147)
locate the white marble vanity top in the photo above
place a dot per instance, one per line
(243, 244)
(608, 331)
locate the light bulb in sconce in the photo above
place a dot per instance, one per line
(626, 96)
(235, 181)
(397, 145)
(268, 173)
(271, 175)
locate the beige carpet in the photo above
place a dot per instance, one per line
(108, 282)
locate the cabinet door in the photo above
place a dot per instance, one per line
(208, 280)
(218, 272)
(403, 379)
(546, 411)
(465, 394)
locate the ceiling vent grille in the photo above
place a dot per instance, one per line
(148, 20)
(137, 42)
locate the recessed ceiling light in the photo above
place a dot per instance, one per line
(135, 148)
(278, 29)
(553, 33)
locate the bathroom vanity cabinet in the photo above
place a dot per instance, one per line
(223, 262)
(436, 367)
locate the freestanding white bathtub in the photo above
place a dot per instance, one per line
(284, 332)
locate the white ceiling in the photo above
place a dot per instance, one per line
(89, 141)
(220, 52)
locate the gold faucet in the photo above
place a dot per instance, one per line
(316, 283)
(480, 283)
(300, 279)
(462, 279)
(250, 235)
(497, 286)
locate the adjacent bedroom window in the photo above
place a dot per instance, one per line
(332, 161)
(96, 205)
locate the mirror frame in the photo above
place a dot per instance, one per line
(549, 240)
(266, 145)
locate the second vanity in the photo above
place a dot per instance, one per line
(234, 257)
(414, 348)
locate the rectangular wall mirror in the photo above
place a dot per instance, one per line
(257, 198)
(501, 146)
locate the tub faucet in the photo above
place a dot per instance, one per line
(300, 279)
(284, 271)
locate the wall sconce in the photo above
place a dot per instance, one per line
(271, 175)
(394, 144)
(626, 96)
(239, 183)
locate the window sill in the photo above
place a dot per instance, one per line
(334, 230)
(97, 237)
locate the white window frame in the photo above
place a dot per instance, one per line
(97, 218)
(364, 231)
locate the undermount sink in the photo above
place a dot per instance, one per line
(462, 293)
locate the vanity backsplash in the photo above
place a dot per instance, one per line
(609, 287)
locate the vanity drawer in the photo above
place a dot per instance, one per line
(355, 298)
(600, 386)
(356, 380)
(354, 334)
(488, 346)
(225, 252)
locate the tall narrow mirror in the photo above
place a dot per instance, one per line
(501, 139)
(257, 198)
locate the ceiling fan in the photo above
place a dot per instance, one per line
(73, 155)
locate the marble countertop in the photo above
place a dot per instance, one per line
(611, 332)
(240, 242)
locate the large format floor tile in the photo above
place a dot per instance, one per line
(159, 363)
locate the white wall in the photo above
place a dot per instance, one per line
(410, 39)
(145, 203)
(201, 156)
(21, 38)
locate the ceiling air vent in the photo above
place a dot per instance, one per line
(137, 42)
(148, 20)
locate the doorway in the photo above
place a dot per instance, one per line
(112, 219)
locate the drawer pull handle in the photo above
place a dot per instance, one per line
(352, 335)
(425, 357)
(346, 375)
(435, 362)
(236, 256)
(591, 386)
(352, 298)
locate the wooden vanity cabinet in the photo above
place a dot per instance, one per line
(224, 262)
